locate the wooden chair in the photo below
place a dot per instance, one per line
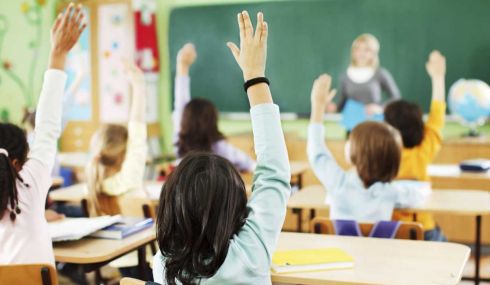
(407, 230)
(28, 274)
(132, 281)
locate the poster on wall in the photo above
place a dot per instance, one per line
(147, 55)
(116, 43)
(78, 99)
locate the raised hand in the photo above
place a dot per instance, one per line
(138, 103)
(321, 96)
(185, 58)
(436, 65)
(65, 33)
(252, 54)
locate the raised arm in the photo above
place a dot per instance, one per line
(133, 168)
(323, 163)
(64, 34)
(271, 188)
(411, 194)
(436, 68)
(182, 93)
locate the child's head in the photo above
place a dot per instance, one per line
(374, 148)
(199, 127)
(202, 205)
(13, 155)
(108, 150)
(407, 118)
(364, 51)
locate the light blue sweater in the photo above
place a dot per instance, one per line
(250, 251)
(346, 194)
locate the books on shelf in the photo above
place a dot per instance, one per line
(311, 260)
(125, 227)
(77, 228)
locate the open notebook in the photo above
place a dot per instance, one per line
(311, 260)
(77, 228)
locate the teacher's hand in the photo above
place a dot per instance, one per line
(373, 109)
(331, 107)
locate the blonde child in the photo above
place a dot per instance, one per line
(367, 192)
(195, 120)
(421, 141)
(119, 153)
(25, 176)
(365, 79)
(206, 230)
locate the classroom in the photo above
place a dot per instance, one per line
(166, 142)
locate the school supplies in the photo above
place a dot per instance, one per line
(476, 165)
(354, 113)
(77, 228)
(126, 227)
(311, 260)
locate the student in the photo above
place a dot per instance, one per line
(421, 142)
(365, 193)
(119, 153)
(25, 178)
(365, 79)
(206, 230)
(196, 121)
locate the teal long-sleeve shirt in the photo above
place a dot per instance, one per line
(250, 251)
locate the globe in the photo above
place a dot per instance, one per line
(469, 101)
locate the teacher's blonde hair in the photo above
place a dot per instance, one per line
(372, 43)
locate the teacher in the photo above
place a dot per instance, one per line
(365, 80)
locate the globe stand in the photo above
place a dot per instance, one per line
(473, 132)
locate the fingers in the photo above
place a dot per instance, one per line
(67, 14)
(248, 28)
(258, 28)
(265, 32)
(241, 26)
(331, 95)
(57, 22)
(234, 50)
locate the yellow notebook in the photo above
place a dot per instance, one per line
(311, 260)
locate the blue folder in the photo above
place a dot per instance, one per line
(354, 113)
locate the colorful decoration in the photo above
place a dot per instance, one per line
(32, 12)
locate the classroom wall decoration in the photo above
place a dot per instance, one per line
(115, 44)
(32, 12)
(78, 102)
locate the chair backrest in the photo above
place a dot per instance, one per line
(407, 230)
(42, 274)
(132, 281)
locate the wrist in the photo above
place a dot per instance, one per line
(182, 69)
(57, 59)
(251, 75)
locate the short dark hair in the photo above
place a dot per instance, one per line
(406, 117)
(375, 150)
(199, 127)
(202, 205)
(13, 140)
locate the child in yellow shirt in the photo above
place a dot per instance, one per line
(421, 142)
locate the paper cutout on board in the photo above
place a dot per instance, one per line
(78, 101)
(147, 55)
(354, 113)
(115, 43)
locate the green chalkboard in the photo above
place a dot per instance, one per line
(311, 37)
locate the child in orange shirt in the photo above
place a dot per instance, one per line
(421, 142)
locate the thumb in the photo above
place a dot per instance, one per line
(234, 50)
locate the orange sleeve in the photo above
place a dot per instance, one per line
(433, 129)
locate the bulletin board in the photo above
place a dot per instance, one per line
(98, 90)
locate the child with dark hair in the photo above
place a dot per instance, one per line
(195, 121)
(25, 177)
(206, 230)
(367, 192)
(421, 141)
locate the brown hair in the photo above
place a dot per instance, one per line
(407, 118)
(109, 150)
(373, 44)
(375, 151)
(199, 127)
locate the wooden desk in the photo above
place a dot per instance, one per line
(470, 203)
(72, 194)
(449, 176)
(298, 168)
(57, 182)
(94, 253)
(408, 262)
